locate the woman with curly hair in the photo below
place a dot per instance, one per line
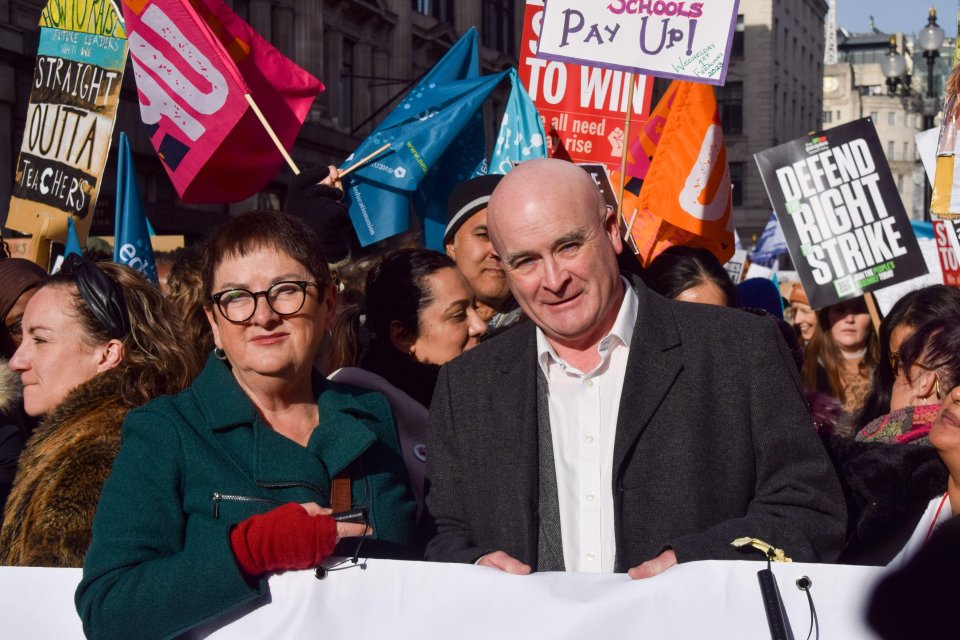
(97, 341)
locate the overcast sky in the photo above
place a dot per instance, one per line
(908, 16)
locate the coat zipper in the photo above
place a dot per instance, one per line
(289, 484)
(216, 498)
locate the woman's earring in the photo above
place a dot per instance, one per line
(219, 353)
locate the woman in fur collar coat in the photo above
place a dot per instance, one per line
(97, 341)
(12, 431)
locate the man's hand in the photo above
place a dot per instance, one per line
(503, 562)
(653, 567)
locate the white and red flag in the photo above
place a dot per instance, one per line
(195, 63)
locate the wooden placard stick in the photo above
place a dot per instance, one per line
(626, 145)
(362, 161)
(273, 134)
(874, 312)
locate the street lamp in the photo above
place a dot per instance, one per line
(894, 67)
(930, 38)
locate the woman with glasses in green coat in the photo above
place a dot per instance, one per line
(220, 486)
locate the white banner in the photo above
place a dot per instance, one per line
(684, 40)
(424, 601)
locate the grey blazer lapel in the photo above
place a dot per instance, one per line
(512, 420)
(549, 538)
(653, 365)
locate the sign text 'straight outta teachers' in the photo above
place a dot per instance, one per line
(839, 213)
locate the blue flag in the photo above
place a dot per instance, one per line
(521, 134)
(73, 242)
(771, 244)
(433, 141)
(131, 242)
(464, 159)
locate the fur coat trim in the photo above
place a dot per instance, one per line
(10, 388)
(49, 515)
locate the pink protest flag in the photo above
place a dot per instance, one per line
(195, 62)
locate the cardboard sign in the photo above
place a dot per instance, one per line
(844, 222)
(945, 249)
(583, 108)
(889, 296)
(682, 40)
(734, 265)
(73, 102)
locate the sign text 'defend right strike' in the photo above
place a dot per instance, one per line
(841, 213)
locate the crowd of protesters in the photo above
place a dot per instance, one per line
(284, 374)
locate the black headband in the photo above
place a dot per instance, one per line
(103, 296)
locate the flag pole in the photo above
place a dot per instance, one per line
(872, 308)
(626, 146)
(272, 134)
(359, 163)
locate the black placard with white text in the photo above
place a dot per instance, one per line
(841, 213)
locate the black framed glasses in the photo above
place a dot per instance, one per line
(284, 298)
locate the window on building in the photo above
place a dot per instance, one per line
(891, 150)
(875, 116)
(839, 117)
(892, 118)
(439, 9)
(736, 49)
(242, 9)
(900, 183)
(498, 30)
(730, 104)
(827, 117)
(736, 182)
(906, 150)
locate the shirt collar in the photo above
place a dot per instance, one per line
(622, 330)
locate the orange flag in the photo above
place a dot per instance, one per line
(686, 193)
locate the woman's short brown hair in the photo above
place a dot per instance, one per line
(255, 230)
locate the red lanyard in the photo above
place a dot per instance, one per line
(936, 517)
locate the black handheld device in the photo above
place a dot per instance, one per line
(357, 516)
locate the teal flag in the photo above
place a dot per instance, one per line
(73, 242)
(131, 242)
(521, 134)
(434, 145)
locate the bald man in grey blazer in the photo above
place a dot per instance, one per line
(617, 431)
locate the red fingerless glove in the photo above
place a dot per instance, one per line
(286, 538)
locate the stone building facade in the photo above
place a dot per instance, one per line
(855, 87)
(773, 94)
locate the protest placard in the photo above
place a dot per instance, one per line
(70, 116)
(583, 108)
(682, 40)
(844, 221)
(734, 265)
(889, 296)
(945, 249)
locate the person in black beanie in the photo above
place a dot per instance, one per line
(315, 197)
(465, 240)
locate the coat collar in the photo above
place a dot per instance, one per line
(347, 424)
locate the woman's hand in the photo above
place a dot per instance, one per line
(344, 529)
(333, 180)
(289, 537)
